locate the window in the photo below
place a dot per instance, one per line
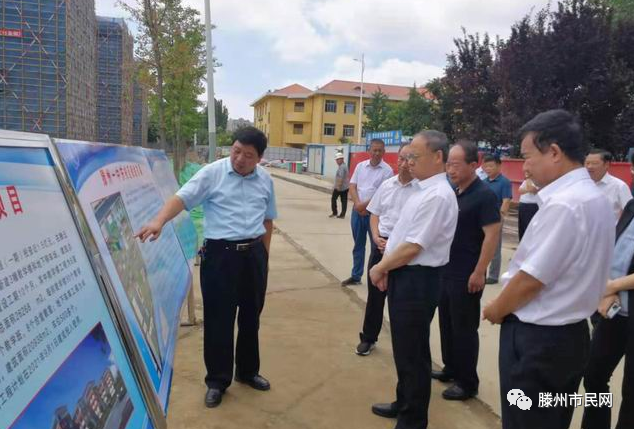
(329, 129)
(299, 106)
(362, 132)
(331, 106)
(298, 128)
(349, 107)
(348, 130)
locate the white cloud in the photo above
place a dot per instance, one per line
(288, 28)
(391, 71)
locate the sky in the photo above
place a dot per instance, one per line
(268, 44)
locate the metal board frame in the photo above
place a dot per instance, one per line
(42, 141)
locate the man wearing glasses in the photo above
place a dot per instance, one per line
(416, 250)
(239, 204)
(385, 208)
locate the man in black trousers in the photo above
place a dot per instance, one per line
(463, 279)
(385, 208)
(410, 272)
(555, 280)
(238, 200)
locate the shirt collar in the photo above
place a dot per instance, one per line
(469, 188)
(403, 185)
(231, 171)
(605, 179)
(433, 180)
(499, 176)
(574, 176)
(379, 165)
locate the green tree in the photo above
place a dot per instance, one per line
(170, 44)
(417, 113)
(471, 90)
(377, 112)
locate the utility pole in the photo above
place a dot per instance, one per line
(211, 105)
(362, 61)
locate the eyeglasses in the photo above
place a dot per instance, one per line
(412, 157)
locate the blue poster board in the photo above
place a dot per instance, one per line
(62, 361)
(167, 185)
(118, 195)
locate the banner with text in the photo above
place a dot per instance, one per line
(63, 361)
(118, 195)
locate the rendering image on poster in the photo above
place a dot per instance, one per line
(59, 341)
(118, 194)
(124, 249)
(98, 398)
(163, 174)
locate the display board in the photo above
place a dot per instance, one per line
(118, 195)
(63, 354)
(163, 175)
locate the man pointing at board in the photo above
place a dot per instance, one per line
(239, 205)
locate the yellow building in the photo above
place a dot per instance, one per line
(295, 116)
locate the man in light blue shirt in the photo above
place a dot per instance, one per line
(238, 201)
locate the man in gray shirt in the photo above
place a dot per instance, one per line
(340, 190)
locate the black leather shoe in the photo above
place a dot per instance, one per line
(491, 281)
(213, 398)
(350, 282)
(389, 411)
(457, 393)
(257, 382)
(441, 376)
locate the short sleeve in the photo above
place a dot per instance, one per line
(507, 190)
(428, 220)
(489, 212)
(355, 175)
(624, 196)
(196, 190)
(271, 207)
(554, 245)
(375, 206)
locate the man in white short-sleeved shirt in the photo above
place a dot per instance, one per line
(556, 278)
(385, 208)
(366, 179)
(597, 164)
(410, 270)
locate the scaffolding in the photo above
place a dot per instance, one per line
(140, 115)
(115, 71)
(48, 66)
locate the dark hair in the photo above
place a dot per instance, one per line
(558, 127)
(605, 155)
(377, 141)
(436, 141)
(470, 150)
(251, 136)
(491, 158)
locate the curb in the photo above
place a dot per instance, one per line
(323, 189)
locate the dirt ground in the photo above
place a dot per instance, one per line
(309, 329)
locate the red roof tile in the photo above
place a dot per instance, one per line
(292, 89)
(345, 87)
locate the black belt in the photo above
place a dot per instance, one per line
(238, 246)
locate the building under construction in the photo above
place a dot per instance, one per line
(48, 67)
(140, 115)
(115, 71)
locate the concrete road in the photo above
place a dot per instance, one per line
(304, 218)
(309, 329)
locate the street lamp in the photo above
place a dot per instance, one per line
(211, 105)
(362, 61)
